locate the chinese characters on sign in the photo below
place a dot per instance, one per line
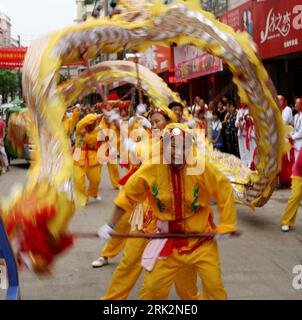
(11, 58)
(291, 43)
(192, 63)
(156, 58)
(278, 27)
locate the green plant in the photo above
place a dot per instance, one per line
(8, 84)
(87, 2)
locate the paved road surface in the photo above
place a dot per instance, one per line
(258, 265)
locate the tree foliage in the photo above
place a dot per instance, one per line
(87, 2)
(8, 84)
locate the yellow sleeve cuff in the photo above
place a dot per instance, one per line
(226, 228)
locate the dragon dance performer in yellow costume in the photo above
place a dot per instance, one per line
(184, 208)
(106, 126)
(182, 115)
(85, 158)
(113, 247)
(71, 122)
(129, 268)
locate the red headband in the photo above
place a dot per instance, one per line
(299, 100)
(284, 104)
(113, 96)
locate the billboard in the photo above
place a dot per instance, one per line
(156, 58)
(278, 27)
(240, 18)
(275, 25)
(190, 62)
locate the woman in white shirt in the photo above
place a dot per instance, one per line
(246, 136)
(209, 118)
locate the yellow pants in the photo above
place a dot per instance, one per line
(113, 174)
(290, 214)
(115, 245)
(204, 260)
(94, 176)
(129, 269)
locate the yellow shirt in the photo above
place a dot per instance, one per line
(176, 196)
(69, 124)
(114, 135)
(137, 132)
(88, 144)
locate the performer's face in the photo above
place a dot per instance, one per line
(280, 101)
(124, 113)
(211, 105)
(232, 108)
(177, 110)
(90, 127)
(174, 153)
(176, 150)
(298, 105)
(201, 115)
(158, 121)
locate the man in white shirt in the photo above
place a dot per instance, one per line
(195, 106)
(287, 113)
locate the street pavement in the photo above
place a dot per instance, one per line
(258, 265)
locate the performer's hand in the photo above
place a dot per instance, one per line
(222, 236)
(105, 232)
(191, 123)
(141, 108)
(146, 123)
(129, 145)
(112, 152)
(114, 117)
(227, 235)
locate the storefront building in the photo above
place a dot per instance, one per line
(275, 26)
(278, 33)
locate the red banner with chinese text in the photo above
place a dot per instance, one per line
(156, 58)
(190, 63)
(278, 27)
(11, 58)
